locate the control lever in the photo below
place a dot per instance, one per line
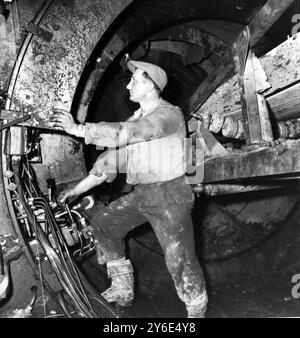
(74, 226)
(51, 192)
(86, 203)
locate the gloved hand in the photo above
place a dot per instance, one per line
(69, 194)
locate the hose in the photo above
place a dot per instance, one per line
(59, 257)
(71, 276)
(63, 305)
(62, 273)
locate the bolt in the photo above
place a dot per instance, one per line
(42, 300)
(56, 26)
(9, 174)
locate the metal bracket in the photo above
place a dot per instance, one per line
(9, 115)
(255, 112)
(241, 50)
(39, 32)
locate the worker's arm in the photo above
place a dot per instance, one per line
(86, 184)
(109, 163)
(105, 169)
(163, 121)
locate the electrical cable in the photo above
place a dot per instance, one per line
(55, 264)
(67, 284)
(56, 249)
(62, 241)
(63, 305)
(80, 289)
(41, 278)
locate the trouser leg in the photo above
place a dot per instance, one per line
(112, 223)
(174, 230)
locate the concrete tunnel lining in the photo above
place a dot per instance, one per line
(20, 91)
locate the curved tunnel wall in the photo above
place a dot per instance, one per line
(51, 71)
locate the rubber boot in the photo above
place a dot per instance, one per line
(121, 290)
(197, 307)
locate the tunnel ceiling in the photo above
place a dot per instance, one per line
(200, 32)
(107, 29)
(153, 15)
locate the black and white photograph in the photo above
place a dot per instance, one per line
(150, 162)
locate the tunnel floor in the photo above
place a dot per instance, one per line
(252, 298)
(263, 296)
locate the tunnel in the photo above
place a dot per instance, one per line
(72, 55)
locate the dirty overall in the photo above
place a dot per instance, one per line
(167, 207)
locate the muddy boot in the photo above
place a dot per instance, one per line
(121, 290)
(197, 307)
(103, 253)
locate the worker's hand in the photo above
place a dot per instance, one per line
(69, 194)
(64, 120)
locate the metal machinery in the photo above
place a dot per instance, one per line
(232, 70)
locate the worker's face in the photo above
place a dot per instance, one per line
(139, 86)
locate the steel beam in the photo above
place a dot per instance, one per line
(259, 25)
(283, 159)
(266, 17)
(280, 67)
(284, 105)
(226, 189)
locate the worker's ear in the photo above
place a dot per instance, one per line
(152, 85)
(149, 83)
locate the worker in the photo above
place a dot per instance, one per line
(161, 195)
